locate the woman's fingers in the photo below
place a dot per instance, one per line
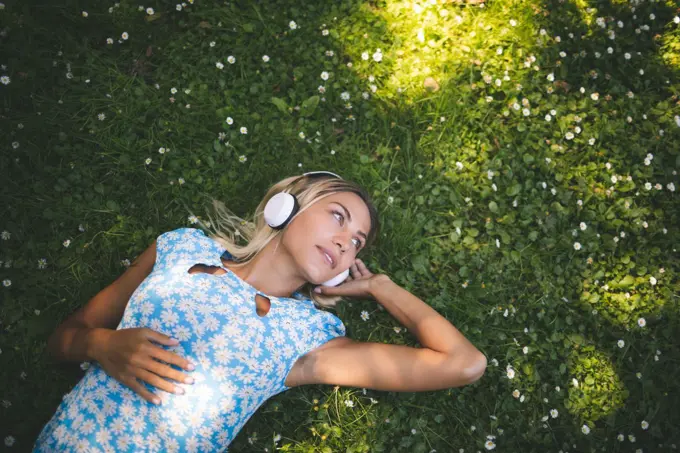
(166, 371)
(170, 357)
(158, 381)
(362, 268)
(160, 338)
(359, 269)
(355, 270)
(137, 387)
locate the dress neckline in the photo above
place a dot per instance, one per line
(224, 253)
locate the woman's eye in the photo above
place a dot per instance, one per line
(336, 212)
(343, 218)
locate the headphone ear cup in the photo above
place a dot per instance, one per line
(280, 209)
(335, 281)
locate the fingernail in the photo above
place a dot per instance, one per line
(317, 289)
(156, 401)
(191, 367)
(174, 340)
(189, 380)
(179, 390)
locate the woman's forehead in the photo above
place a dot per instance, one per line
(353, 203)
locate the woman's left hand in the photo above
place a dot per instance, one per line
(358, 284)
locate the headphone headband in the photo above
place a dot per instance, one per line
(320, 173)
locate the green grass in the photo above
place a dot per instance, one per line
(493, 252)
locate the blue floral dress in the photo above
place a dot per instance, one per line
(241, 359)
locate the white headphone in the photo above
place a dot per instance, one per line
(283, 206)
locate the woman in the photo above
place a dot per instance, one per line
(200, 331)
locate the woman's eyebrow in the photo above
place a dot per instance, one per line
(349, 217)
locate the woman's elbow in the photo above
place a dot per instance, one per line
(476, 367)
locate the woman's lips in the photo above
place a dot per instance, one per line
(326, 258)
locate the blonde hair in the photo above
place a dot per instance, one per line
(229, 229)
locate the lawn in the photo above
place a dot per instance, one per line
(523, 155)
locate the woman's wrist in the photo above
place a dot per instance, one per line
(379, 281)
(95, 339)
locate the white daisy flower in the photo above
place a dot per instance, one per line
(652, 280)
(489, 445)
(229, 120)
(244, 130)
(585, 429)
(125, 35)
(577, 246)
(324, 75)
(644, 424)
(84, 13)
(621, 344)
(265, 58)
(150, 11)
(510, 372)
(109, 40)
(364, 315)
(583, 226)
(642, 322)
(101, 117)
(292, 25)
(231, 59)
(219, 65)
(554, 413)
(569, 135)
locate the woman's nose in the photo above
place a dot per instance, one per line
(344, 241)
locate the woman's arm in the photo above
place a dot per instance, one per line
(78, 336)
(432, 329)
(446, 360)
(127, 355)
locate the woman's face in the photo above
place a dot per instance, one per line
(338, 223)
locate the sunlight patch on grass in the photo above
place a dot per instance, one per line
(595, 390)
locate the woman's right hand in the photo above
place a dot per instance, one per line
(129, 354)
